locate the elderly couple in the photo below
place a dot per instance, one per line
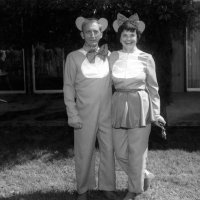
(121, 122)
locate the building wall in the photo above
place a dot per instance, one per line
(178, 67)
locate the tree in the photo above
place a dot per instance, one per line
(27, 22)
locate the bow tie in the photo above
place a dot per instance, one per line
(102, 52)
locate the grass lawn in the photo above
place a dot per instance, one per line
(37, 164)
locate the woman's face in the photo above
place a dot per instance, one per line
(128, 39)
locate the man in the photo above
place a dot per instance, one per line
(87, 79)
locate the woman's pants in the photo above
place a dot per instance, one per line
(131, 147)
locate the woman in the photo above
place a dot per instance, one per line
(135, 104)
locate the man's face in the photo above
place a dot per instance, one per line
(91, 34)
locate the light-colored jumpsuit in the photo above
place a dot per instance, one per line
(90, 84)
(135, 105)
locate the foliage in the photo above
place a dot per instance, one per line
(54, 20)
(26, 22)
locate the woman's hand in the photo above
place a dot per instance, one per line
(160, 121)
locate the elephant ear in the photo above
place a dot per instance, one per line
(115, 26)
(104, 23)
(79, 22)
(141, 26)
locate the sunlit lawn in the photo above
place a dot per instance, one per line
(37, 164)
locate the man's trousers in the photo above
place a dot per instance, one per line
(84, 145)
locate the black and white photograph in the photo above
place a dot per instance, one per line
(100, 100)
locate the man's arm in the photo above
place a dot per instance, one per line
(69, 92)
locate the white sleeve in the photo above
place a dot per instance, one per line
(152, 86)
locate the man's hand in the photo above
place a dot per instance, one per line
(75, 122)
(77, 125)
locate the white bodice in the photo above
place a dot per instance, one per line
(98, 69)
(129, 66)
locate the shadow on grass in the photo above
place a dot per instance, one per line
(93, 195)
(19, 144)
(185, 138)
(43, 196)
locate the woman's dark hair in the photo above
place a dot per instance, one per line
(128, 26)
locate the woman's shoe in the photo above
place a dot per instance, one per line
(82, 196)
(110, 195)
(147, 181)
(130, 196)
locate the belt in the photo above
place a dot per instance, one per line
(129, 90)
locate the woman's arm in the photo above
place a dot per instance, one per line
(152, 86)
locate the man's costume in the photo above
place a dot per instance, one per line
(87, 96)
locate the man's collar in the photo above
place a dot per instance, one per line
(88, 48)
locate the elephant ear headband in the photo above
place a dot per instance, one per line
(80, 20)
(134, 19)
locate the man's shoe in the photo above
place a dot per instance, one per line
(110, 195)
(82, 196)
(130, 196)
(147, 181)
